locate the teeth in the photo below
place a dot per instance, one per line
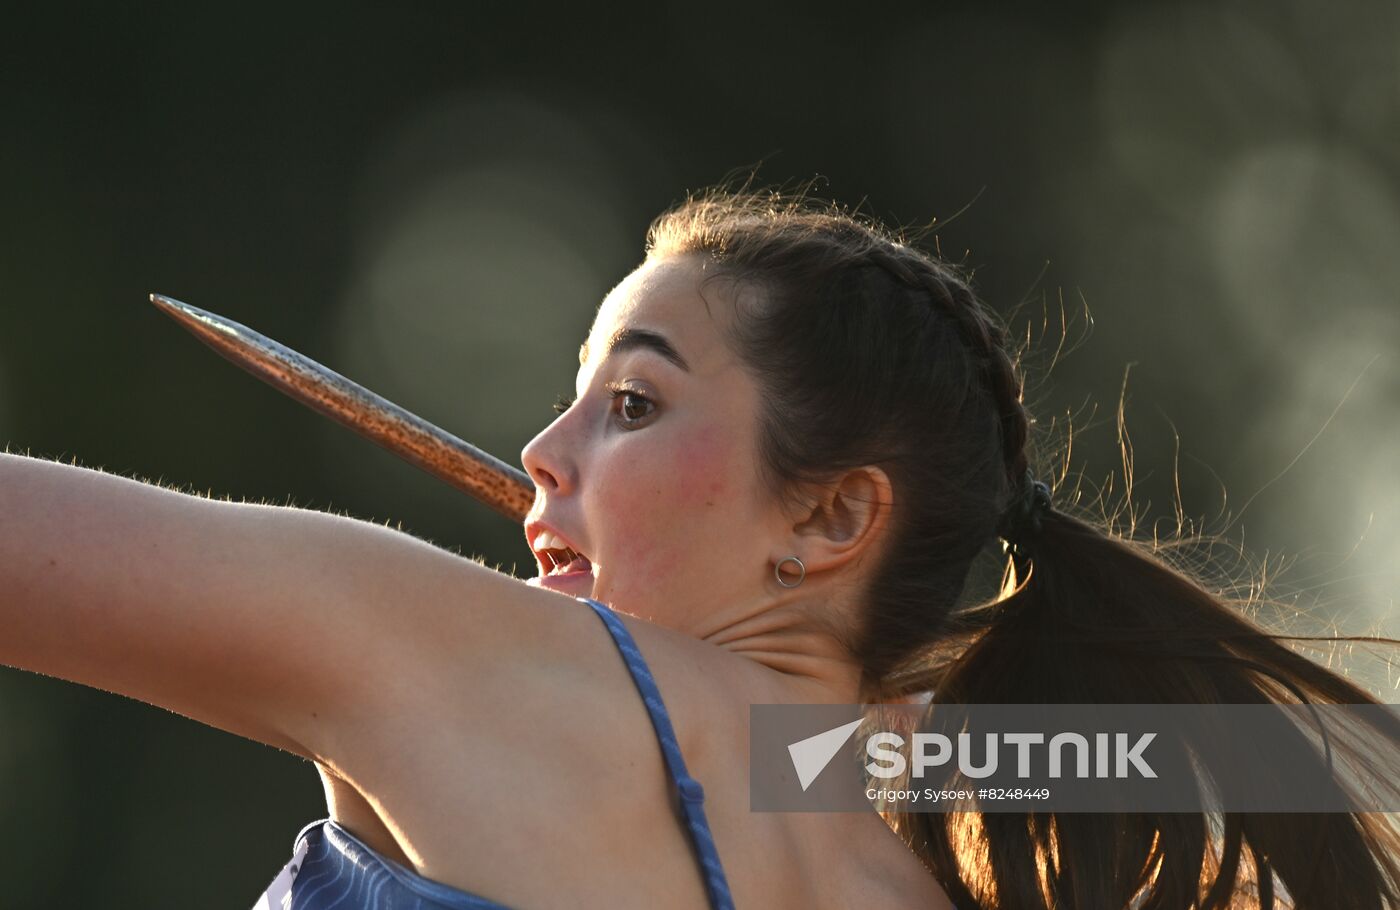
(547, 541)
(565, 562)
(556, 554)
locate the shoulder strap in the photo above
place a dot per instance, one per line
(691, 793)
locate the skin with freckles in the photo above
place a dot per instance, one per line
(623, 477)
(653, 474)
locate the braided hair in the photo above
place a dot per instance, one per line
(870, 351)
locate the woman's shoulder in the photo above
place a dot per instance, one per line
(570, 758)
(708, 690)
(578, 767)
(775, 859)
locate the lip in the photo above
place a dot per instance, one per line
(571, 583)
(532, 530)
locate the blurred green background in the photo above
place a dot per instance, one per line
(433, 199)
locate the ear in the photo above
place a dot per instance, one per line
(840, 522)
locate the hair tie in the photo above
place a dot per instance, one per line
(1020, 523)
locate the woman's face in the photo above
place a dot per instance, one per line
(651, 474)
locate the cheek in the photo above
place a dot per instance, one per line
(705, 471)
(662, 498)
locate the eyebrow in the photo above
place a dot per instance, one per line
(632, 339)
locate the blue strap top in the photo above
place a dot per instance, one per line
(331, 869)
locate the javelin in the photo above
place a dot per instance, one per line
(506, 489)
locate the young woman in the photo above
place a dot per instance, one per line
(791, 436)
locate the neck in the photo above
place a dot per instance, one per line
(792, 638)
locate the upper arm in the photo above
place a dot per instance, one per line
(266, 621)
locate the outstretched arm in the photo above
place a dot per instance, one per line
(266, 621)
(235, 614)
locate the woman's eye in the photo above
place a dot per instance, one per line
(634, 406)
(562, 404)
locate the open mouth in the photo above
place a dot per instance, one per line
(566, 562)
(557, 557)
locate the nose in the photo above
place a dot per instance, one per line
(545, 460)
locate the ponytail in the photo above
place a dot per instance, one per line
(1094, 618)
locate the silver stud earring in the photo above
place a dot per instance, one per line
(801, 571)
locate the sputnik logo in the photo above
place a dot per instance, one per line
(811, 755)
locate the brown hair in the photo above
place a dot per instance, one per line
(871, 351)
